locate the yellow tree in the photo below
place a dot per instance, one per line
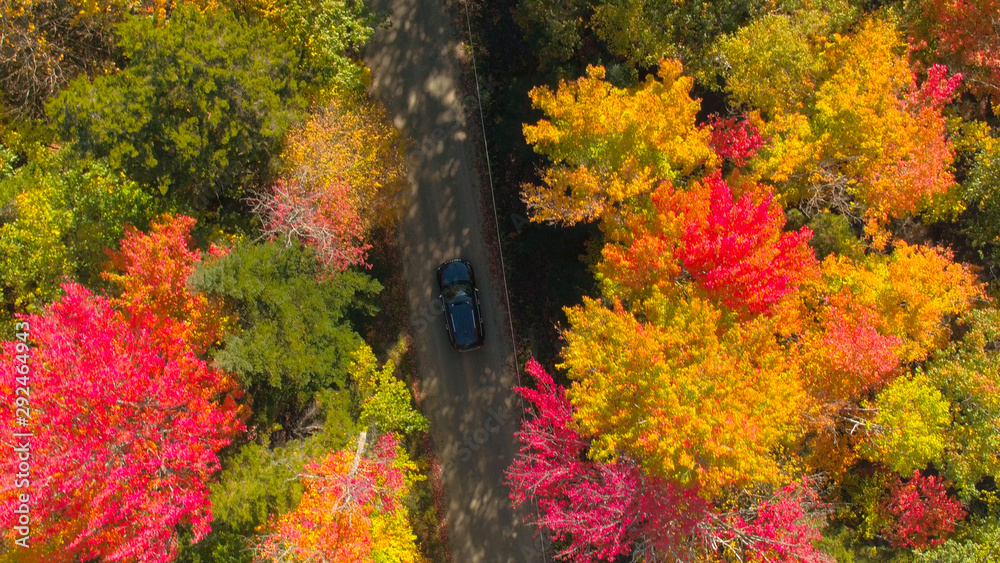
(351, 142)
(610, 144)
(693, 395)
(909, 426)
(849, 128)
(907, 295)
(773, 46)
(352, 510)
(892, 145)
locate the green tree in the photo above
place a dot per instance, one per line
(295, 337)
(554, 28)
(324, 34)
(982, 545)
(968, 373)
(776, 47)
(200, 109)
(58, 214)
(832, 234)
(982, 221)
(645, 31)
(261, 478)
(909, 425)
(386, 401)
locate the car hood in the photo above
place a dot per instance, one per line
(453, 272)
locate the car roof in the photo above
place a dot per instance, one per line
(463, 322)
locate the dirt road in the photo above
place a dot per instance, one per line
(467, 396)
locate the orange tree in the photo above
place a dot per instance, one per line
(852, 131)
(352, 509)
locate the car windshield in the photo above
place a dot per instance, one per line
(457, 290)
(454, 272)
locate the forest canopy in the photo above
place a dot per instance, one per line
(794, 320)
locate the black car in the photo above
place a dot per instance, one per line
(462, 315)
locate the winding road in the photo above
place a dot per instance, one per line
(466, 396)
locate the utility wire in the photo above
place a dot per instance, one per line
(496, 219)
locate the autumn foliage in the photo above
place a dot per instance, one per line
(922, 513)
(849, 128)
(894, 142)
(855, 356)
(321, 217)
(129, 417)
(350, 152)
(738, 253)
(722, 357)
(962, 32)
(734, 139)
(779, 332)
(642, 253)
(122, 123)
(128, 421)
(690, 398)
(609, 144)
(152, 271)
(679, 366)
(352, 510)
(784, 527)
(600, 510)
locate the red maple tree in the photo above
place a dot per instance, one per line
(738, 252)
(734, 139)
(127, 423)
(600, 510)
(152, 270)
(856, 357)
(783, 528)
(963, 32)
(922, 513)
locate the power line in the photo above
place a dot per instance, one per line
(496, 218)
(489, 172)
